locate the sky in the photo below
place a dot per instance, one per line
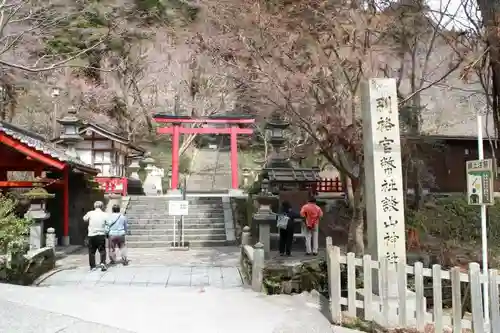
(456, 10)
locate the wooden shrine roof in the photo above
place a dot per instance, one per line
(286, 175)
(41, 145)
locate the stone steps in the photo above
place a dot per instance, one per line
(190, 224)
(165, 218)
(164, 199)
(170, 237)
(168, 244)
(169, 231)
(164, 205)
(165, 209)
(151, 226)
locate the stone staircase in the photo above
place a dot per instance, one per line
(151, 226)
(210, 171)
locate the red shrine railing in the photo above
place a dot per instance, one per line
(329, 185)
(113, 185)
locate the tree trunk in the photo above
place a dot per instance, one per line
(490, 10)
(356, 241)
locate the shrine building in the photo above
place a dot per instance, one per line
(28, 160)
(104, 150)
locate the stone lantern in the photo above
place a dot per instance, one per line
(246, 177)
(278, 177)
(71, 131)
(149, 162)
(37, 212)
(149, 185)
(275, 132)
(134, 167)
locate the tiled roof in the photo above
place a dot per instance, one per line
(40, 144)
(291, 175)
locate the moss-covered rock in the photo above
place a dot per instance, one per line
(282, 278)
(25, 269)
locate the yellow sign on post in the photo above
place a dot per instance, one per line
(480, 180)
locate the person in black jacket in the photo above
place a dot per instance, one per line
(286, 235)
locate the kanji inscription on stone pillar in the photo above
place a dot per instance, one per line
(383, 171)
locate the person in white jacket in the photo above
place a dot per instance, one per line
(97, 234)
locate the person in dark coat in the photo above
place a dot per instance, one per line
(286, 235)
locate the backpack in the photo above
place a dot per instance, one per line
(282, 221)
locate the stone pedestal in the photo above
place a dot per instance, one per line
(264, 217)
(36, 236)
(38, 215)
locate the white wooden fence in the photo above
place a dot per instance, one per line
(391, 310)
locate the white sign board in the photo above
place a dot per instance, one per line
(480, 178)
(383, 171)
(178, 207)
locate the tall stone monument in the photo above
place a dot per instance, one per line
(383, 171)
(384, 195)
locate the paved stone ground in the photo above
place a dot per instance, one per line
(161, 291)
(149, 276)
(155, 267)
(119, 309)
(227, 256)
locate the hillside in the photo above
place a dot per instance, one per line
(119, 62)
(131, 58)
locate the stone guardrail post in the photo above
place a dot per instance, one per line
(245, 236)
(50, 238)
(258, 267)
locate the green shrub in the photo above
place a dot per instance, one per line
(452, 218)
(13, 229)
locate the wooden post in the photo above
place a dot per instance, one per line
(124, 186)
(65, 238)
(456, 300)
(175, 158)
(234, 158)
(351, 284)
(494, 302)
(476, 297)
(367, 287)
(419, 292)
(437, 293)
(333, 263)
(402, 293)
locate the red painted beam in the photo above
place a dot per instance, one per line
(204, 130)
(204, 120)
(66, 202)
(30, 152)
(25, 183)
(26, 165)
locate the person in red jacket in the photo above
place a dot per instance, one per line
(312, 214)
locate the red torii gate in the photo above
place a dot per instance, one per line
(176, 129)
